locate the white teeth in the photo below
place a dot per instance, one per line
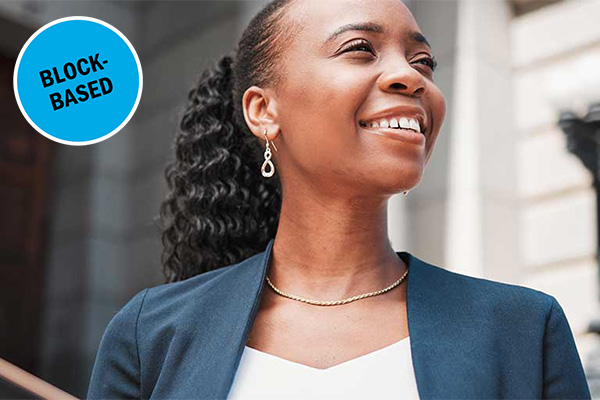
(415, 125)
(404, 123)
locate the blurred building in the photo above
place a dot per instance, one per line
(502, 198)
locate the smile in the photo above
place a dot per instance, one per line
(395, 122)
(400, 134)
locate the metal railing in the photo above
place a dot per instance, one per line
(18, 383)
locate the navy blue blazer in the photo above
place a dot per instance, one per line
(471, 338)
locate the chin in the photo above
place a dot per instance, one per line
(398, 181)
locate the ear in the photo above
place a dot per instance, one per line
(260, 112)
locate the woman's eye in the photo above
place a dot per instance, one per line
(430, 62)
(358, 45)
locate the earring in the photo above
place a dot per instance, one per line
(268, 161)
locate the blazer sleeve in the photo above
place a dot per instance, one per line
(116, 370)
(564, 377)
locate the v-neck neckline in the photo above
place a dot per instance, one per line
(439, 315)
(352, 361)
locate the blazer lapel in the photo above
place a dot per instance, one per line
(432, 321)
(243, 284)
(432, 325)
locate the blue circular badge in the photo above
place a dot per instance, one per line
(78, 80)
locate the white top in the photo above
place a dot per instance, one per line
(386, 373)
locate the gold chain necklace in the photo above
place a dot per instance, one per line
(336, 302)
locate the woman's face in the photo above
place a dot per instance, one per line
(334, 83)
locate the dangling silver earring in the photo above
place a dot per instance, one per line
(268, 161)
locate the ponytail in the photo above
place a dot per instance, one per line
(218, 210)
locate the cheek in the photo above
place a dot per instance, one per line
(325, 93)
(318, 111)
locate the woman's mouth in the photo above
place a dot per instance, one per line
(394, 123)
(410, 135)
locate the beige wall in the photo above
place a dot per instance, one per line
(552, 52)
(502, 198)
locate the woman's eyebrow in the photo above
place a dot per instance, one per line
(418, 37)
(362, 26)
(376, 28)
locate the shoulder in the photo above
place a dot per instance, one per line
(520, 331)
(486, 296)
(193, 298)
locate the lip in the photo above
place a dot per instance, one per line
(409, 111)
(403, 135)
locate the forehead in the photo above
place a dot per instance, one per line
(322, 19)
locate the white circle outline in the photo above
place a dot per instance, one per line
(140, 86)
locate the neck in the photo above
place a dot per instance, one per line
(333, 250)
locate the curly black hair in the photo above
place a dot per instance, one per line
(219, 210)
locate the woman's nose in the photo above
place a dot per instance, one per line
(401, 77)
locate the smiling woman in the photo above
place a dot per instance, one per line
(287, 285)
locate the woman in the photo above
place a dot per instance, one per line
(340, 98)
